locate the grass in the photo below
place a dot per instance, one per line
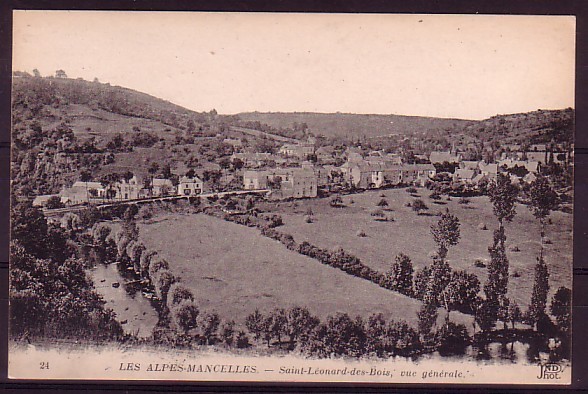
(409, 233)
(233, 270)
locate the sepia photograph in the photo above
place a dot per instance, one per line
(290, 197)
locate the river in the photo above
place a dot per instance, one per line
(135, 309)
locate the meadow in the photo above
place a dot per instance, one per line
(409, 233)
(233, 270)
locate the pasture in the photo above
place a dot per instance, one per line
(409, 233)
(233, 270)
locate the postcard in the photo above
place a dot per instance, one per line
(289, 197)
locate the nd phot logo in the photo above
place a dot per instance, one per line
(550, 371)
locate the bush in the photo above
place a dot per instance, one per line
(163, 281)
(308, 219)
(411, 190)
(178, 293)
(435, 196)
(185, 316)
(54, 202)
(453, 339)
(479, 263)
(242, 340)
(464, 200)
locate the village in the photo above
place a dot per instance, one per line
(301, 170)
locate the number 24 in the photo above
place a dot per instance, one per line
(44, 365)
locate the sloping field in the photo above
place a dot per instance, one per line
(410, 234)
(234, 270)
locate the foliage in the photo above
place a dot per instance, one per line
(503, 195)
(163, 281)
(255, 324)
(185, 316)
(418, 206)
(446, 233)
(339, 335)
(453, 339)
(462, 291)
(177, 294)
(496, 286)
(542, 198)
(399, 277)
(427, 317)
(540, 291)
(561, 308)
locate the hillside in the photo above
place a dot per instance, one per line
(63, 126)
(541, 126)
(353, 125)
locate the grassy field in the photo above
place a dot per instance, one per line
(410, 234)
(234, 270)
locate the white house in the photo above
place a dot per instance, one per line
(190, 186)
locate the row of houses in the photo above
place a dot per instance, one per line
(126, 189)
(298, 182)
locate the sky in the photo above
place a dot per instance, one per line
(451, 66)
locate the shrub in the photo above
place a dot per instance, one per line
(242, 340)
(227, 333)
(479, 263)
(178, 293)
(418, 206)
(54, 202)
(308, 219)
(156, 266)
(163, 281)
(464, 200)
(453, 339)
(208, 324)
(411, 190)
(361, 233)
(185, 315)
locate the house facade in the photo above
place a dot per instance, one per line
(190, 186)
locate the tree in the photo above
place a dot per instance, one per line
(503, 195)
(561, 308)
(418, 206)
(514, 313)
(400, 274)
(237, 164)
(36, 73)
(540, 291)
(446, 233)
(185, 316)
(300, 322)
(485, 315)
(29, 228)
(427, 317)
(462, 291)
(54, 202)
(152, 170)
(209, 323)
(383, 203)
(279, 324)
(255, 324)
(156, 266)
(496, 286)
(60, 74)
(542, 200)
(163, 281)
(177, 294)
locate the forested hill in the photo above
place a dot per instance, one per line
(352, 125)
(62, 126)
(541, 126)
